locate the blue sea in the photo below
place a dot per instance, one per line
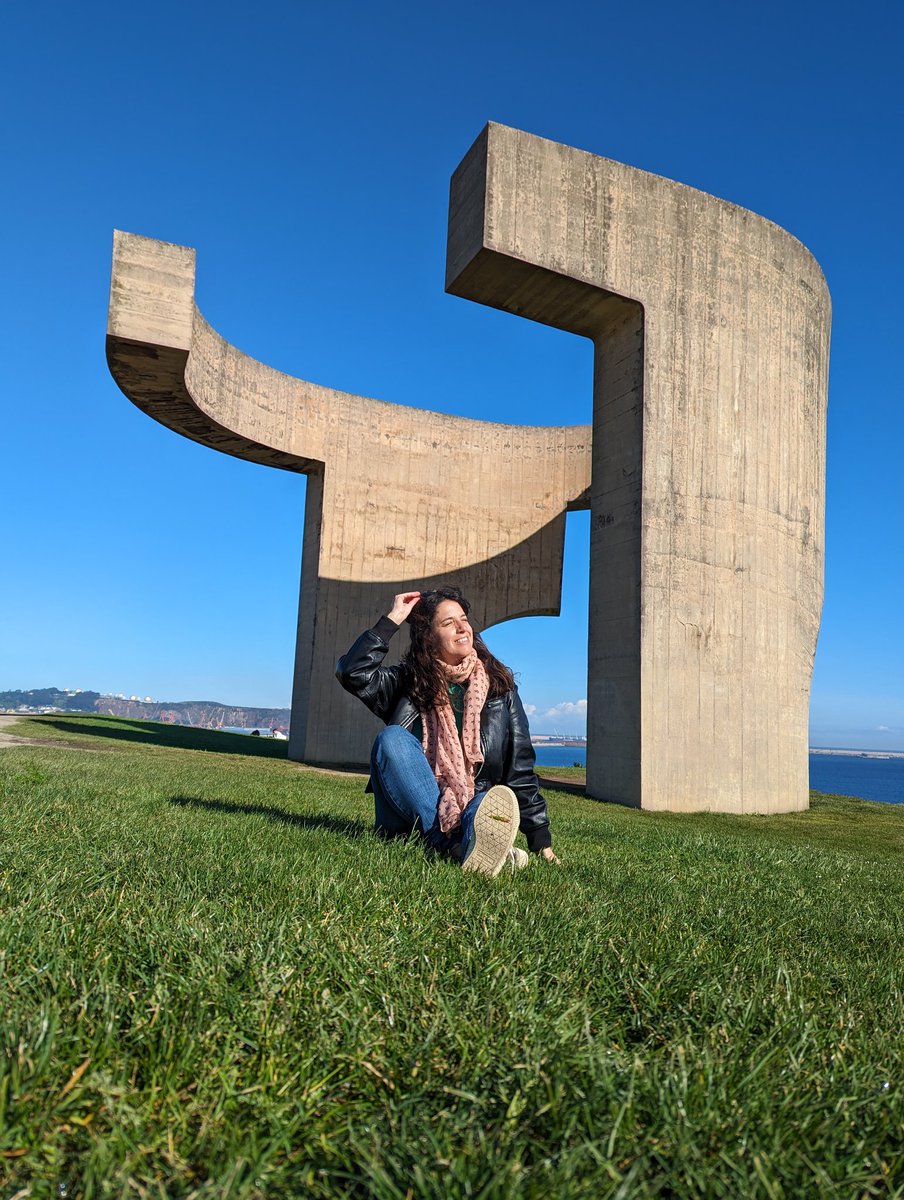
(838, 774)
(848, 775)
(561, 756)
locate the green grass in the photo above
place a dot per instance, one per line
(215, 982)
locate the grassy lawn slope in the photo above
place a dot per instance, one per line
(215, 982)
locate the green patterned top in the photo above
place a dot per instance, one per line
(457, 700)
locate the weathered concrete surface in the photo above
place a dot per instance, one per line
(711, 329)
(396, 498)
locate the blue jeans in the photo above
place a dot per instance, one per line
(406, 793)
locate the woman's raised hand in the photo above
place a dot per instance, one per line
(402, 606)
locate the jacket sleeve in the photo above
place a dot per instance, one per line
(521, 778)
(360, 670)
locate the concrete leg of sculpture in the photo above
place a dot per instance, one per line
(303, 691)
(614, 635)
(711, 329)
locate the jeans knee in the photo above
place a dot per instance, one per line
(389, 742)
(390, 734)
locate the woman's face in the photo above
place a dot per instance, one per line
(452, 631)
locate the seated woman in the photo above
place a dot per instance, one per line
(455, 762)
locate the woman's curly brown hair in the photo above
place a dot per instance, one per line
(425, 681)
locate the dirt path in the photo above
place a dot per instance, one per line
(10, 739)
(576, 784)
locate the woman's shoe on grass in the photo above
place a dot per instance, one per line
(489, 827)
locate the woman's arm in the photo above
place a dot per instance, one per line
(360, 669)
(522, 779)
(402, 606)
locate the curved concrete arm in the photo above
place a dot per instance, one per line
(157, 338)
(176, 368)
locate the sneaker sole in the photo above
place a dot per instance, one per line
(495, 830)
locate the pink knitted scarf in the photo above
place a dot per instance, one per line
(455, 762)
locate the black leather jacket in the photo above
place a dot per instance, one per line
(508, 756)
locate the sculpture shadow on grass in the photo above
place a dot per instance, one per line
(178, 737)
(549, 783)
(350, 828)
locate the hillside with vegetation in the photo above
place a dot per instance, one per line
(50, 697)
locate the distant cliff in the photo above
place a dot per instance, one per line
(202, 714)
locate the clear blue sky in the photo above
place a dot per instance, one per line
(305, 151)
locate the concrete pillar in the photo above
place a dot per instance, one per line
(711, 329)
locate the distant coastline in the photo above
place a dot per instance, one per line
(858, 753)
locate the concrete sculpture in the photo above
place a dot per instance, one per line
(706, 486)
(383, 512)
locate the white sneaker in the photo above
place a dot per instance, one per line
(518, 859)
(488, 830)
